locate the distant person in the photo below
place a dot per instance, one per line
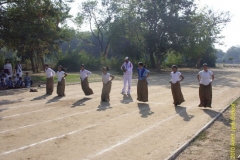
(176, 78)
(61, 74)
(127, 69)
(205, 78)
(4, 77)
(3, 85)
(50, 81)
(142, 86)
(19, 83)
(18, 69)
(16, 78)
(7, 67)
(27, 80)
(107, 84)
(10, 83)
(84, 74)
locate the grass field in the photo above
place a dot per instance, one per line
(40, 78)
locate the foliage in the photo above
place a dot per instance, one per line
(174, 59)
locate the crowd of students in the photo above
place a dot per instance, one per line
(9, 81)
(205, 78)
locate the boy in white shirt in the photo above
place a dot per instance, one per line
(176, 78)
(205, 78)
(61, 74)
(107, 84)
(50, 81)
(84, 80)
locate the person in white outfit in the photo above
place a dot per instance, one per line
(50, 82)
(127, 68)
(8, 68)
(18, 69)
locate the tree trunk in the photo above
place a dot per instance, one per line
(32, 63)
(152, 60)
(43, 64)
(158, 62)
(198, 62)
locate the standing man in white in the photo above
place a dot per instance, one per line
(18, 69)
(127, 68)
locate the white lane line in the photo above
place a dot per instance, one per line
(68, 93)
(142, 132)
(70, 133)
(66, 116)
(105, 150)
(26, 113)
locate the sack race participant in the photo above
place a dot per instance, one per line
(107, 84)
(61, 81)
(205, 78)
(127, 68)
(176, 78)
(84, 80)
(142, 86)
(50, 81)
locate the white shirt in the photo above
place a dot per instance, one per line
(129, 68)
(49, 73)
(205, 77)
(16, 79)
(60, 75)
(19, 68)
(105, 78)
(175, 77)
(84, 74)
(9, 67)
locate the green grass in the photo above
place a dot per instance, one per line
(71, 78)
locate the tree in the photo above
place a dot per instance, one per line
(32, 27)
(99, 16)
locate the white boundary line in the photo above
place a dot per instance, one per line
(69, 133)
(66, 116)
(110, 148)
(178, 151)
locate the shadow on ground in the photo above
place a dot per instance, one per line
(40, 97)
(54, 99)
(103, 106)
(144, 110)
(182, 112)
(80, 102)
(126, 99)
(5, 102)
(212, 114)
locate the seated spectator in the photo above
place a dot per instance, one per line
(8, 75)
(10, 83)
(2, 84)
(4, 78)
(19, 83)
(27, 80)
(16, 78)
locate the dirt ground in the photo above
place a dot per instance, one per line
(35, 126)
(215, 142)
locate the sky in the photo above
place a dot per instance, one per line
(231, 32)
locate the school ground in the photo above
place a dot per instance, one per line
(75, 127)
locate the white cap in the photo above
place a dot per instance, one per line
(126, 58)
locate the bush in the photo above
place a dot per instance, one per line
(73, 62)
(173, 59)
